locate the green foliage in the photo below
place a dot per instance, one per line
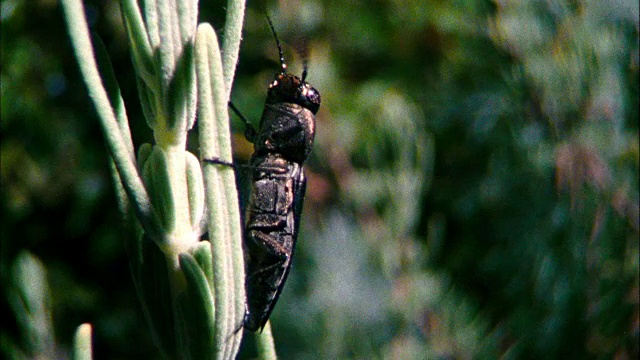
(473, 190)
(28, 295)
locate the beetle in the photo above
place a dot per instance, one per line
(282, 143)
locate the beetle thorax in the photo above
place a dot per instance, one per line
(287, 129)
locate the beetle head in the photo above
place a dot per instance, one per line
(290, 88)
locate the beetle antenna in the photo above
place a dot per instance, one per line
(282, 63)
(302, 48)
(304, 69)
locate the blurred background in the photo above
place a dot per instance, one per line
(472, 193)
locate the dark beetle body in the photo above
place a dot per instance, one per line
(282, 143)
(273, 218)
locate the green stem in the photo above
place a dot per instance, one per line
(265, 344)
(82, 349)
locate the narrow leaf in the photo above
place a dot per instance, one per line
(197, 311)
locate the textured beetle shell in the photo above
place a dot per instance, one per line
(287, 129)
(282, 144)
(273, 216)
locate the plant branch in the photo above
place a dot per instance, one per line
(231, 42)
(222, 200)
(123, 159)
